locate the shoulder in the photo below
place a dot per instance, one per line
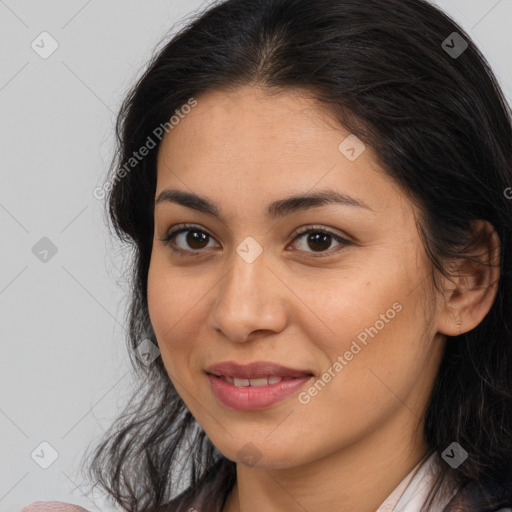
(52, 506)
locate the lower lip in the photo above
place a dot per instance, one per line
(250, 398)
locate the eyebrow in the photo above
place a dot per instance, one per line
(277, 209)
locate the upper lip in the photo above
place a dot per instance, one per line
(255, 370)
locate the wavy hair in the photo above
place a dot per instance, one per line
(442, 130)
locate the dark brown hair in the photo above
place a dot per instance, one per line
(441, 129)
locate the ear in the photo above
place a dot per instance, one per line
(469, 295)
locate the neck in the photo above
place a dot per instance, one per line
(358, 477)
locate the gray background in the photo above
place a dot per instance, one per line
(64, 371)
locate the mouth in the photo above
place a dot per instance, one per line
(262, 381)
(256, 371)
(256, 385)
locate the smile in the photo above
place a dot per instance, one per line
(243, 396)
(263, 381)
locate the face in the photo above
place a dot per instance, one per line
(337, 290)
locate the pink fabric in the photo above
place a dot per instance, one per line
(52, 506)
(389, 503)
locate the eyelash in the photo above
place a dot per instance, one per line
(183, 228)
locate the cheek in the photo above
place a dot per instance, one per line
(178, 304)
(356, 305)
(172, 294)
(369, 330)
(377, 361)
(169, 302)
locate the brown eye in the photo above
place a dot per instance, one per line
(187, 239)
(196, 239)
(319, 240)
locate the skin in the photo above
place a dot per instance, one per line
(351, 445)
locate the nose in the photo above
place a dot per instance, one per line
(251, 301)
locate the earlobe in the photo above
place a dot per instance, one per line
(470, 293)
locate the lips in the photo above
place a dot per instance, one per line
(254, 386)
(253, 374)
(262, 381)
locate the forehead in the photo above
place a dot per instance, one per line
(252, 126)
(235, 142)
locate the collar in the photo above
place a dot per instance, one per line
(412, 491)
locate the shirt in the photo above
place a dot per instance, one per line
(412, 491)
(408, 496)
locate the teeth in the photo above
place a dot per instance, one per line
(241, 382)
(259, 382)
(263, 381)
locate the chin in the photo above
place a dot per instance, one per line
(254, 454)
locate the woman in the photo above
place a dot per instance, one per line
(316, 197)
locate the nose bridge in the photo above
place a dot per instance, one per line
(245, 279)
(246, 300)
